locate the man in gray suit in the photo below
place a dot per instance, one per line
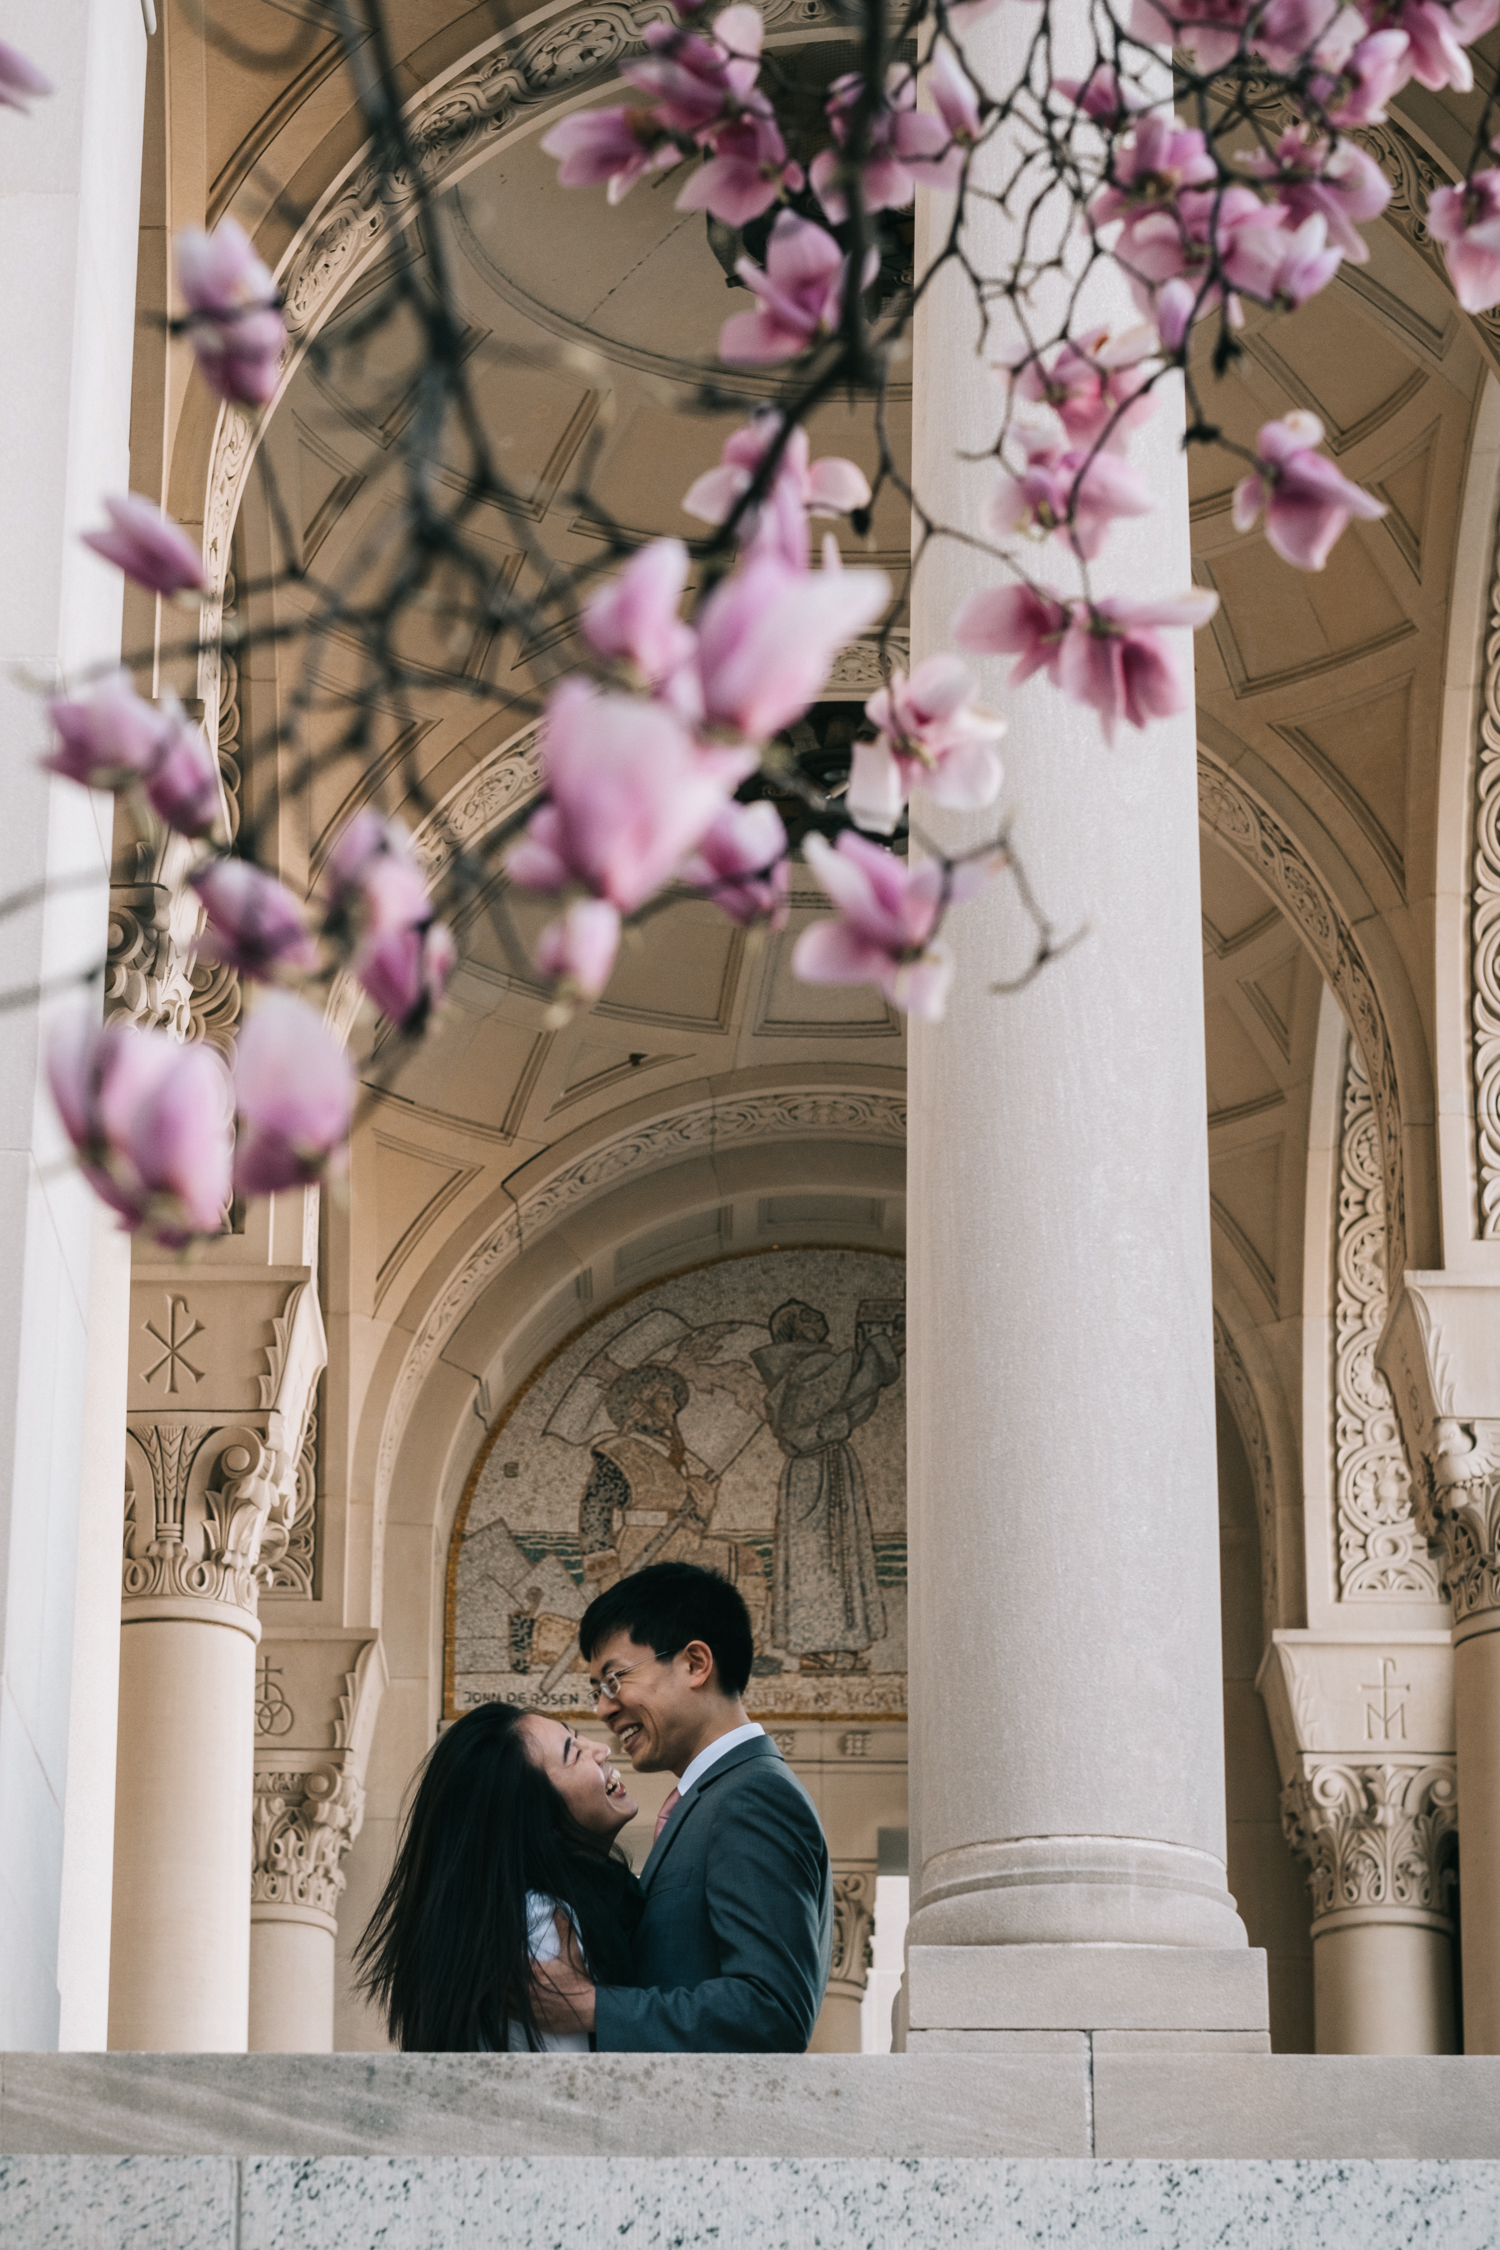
(732, 1952)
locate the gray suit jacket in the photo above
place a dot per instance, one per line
(732, 1952)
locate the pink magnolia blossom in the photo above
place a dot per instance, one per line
(910, 148)
(1072, 490)
(801, 294)
(1289, 31)
(634, 621)
(1159, 159)
(1308, 262)
(931, 737)
(1439, 32)
(20, 80)
(1026, 622)
(884, 930)
(117, 740)
(830, 487)
(403, 956)
(742, 862)
(1466, 220)
(294, 1088)
(1174, 308)
(698, 83)
(234, 313)
(1115, 658)
(1307, 502)
(955, 97)
(579, 948)
(1210, 30)
(629, 795)
(254, 923)
(1248, 239)
(1095, 383)
(1340, 184)
(617, 145)
(767, 638)
(1357, 89)
(108, 742)
(745, 175)
(1101, 96)
(148, 547)
(150, 1119)
(183, 784)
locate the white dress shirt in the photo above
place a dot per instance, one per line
(697, 1767)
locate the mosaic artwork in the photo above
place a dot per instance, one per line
(750, 1415)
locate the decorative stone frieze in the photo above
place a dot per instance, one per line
(1374, 1836)
(1382, 1550)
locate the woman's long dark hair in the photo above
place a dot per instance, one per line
(445, 1956)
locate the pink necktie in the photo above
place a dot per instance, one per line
(666, 1813)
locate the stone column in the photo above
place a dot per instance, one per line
(1067, 1753)
(1363, 1729)
(839, 2025)
(308, 1811)
(214, 1496)
(1441, 1356)
(1374, 1837)
(69, 190)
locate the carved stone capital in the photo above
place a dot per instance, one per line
(302, 1823)
(197, 1536)
(1441, 1356)
(1374, 1837)
(853, 1930)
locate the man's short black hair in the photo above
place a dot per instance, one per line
(669, 1604)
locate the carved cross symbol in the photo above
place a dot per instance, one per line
(173, 1357)
(1385, 1715)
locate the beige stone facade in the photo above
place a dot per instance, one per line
(1213, 1207)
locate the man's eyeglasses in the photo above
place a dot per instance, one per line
(607, 1686)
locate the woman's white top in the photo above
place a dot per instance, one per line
(545, 1944)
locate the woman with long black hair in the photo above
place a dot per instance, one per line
(507, 1858)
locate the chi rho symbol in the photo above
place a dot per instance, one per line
(180, 1331)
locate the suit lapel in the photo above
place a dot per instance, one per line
(759, 1746)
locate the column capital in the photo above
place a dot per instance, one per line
(853, 1928)
(302, 1823)
(1373, 1836)
(1441, 1356)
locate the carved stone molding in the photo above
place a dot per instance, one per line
(309, 1804)
(1464, 1486)
(1382, 1550)
(707, 1126)
(1253, 834)
(1234, 1381)
(302, 1823)
(1374, 1836)
(853, 1931)
(1484, 927)
(224, 1489)
(168, 1559)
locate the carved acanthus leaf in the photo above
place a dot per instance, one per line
(853, 1929)
(301, 1826)
(1373, 1835)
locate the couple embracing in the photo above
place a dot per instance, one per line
(512, 1918)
